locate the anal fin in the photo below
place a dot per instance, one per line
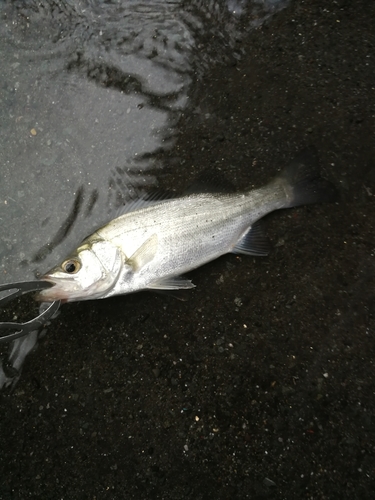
(253, 242)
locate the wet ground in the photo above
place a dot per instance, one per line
(262, 384)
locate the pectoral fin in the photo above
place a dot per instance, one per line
(171, 283)
(145, 253)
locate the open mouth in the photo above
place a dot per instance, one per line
(59, 291)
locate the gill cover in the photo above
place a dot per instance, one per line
(87, 274)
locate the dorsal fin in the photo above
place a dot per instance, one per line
(145, 201)
(210, 182)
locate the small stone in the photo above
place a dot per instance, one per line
(238, 301)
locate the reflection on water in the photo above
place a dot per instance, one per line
(90, 91)
(10, 367)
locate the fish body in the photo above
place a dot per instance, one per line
(154, 242)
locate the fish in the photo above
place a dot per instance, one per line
(155, 241)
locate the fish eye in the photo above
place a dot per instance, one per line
(71, 266)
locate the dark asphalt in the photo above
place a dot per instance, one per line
(262, 384)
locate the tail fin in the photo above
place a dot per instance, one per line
(302, 181)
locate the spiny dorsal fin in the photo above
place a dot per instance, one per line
(145, 201)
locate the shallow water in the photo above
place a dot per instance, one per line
(91, 90)
(91, 93)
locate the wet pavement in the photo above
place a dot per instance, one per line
(261, 384)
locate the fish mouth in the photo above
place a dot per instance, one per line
(59, 291)
(66, 289)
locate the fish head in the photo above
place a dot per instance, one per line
(88, 273)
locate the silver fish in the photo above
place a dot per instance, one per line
(156, 241)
